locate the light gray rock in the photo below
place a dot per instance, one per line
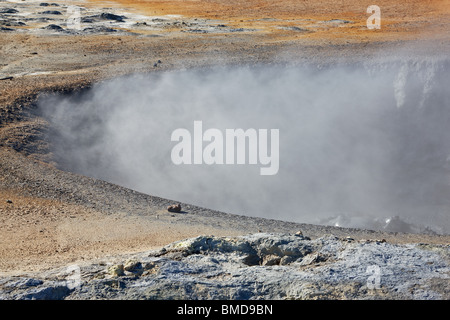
(256, 266)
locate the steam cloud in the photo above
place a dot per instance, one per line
(367, 141)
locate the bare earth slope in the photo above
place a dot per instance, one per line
(50, 218)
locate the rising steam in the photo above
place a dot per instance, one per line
(367, 142)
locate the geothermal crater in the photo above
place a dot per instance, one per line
(359, 146)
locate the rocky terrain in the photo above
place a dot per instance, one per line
(77, 18)
(67, 236)
(257, 266)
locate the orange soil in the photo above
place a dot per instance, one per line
(400, 20)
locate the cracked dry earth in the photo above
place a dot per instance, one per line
(125, 244)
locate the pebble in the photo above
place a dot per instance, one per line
(174, 208)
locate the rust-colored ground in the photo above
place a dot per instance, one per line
(401, 20)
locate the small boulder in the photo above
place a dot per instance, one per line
(349, 239)
(51, 12)
(53, 27)
(150, 268)
(8, 10)
(116, 270)
(45, 4)
(151, 265)
(111, 16)
(174, 208)
(271, 260)
(313, 258)
(99, 29)
(132, 265)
